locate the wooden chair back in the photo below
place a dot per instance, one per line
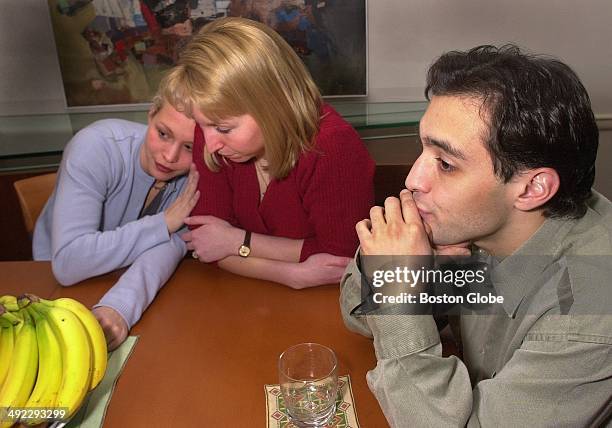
(33, 193)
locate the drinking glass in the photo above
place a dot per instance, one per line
(308, 375)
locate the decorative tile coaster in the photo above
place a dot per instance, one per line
(345, 407)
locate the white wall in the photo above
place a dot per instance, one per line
(404, 37)
(603, 175)
(30, 80)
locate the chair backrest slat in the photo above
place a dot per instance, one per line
(33, 193)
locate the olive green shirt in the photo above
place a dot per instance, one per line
(545, 360)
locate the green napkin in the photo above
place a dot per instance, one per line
(93, 410)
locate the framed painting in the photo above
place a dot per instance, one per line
(115, 52)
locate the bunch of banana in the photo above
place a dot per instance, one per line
(52, 352)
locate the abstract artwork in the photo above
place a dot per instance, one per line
(115, 52)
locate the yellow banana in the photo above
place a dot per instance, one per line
(4, 322)
(9, 302)
(22, 372)
(7, 341)
(94, 330)
(76, 356)
(49, 378)
(8, 318)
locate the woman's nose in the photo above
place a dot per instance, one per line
(172, 152)
(212, 140)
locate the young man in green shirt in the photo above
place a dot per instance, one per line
(509, 147)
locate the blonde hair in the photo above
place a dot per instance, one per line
(236, 66)
(156, 104)
(163, 97)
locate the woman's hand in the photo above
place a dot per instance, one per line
(175, 214)
(114, 326)
(319, 269)
(214, 240)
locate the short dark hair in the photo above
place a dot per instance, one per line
(539, 115)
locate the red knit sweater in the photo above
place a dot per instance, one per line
(328, 191)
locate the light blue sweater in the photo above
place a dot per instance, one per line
(90, 224)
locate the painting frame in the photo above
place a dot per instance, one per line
(112, 53)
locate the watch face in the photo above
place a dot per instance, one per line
(244, 251)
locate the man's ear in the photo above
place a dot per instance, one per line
(539, 186)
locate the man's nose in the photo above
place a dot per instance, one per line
(418, 177)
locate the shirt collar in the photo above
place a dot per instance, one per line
(516, 275)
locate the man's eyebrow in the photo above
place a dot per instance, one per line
(444, 146)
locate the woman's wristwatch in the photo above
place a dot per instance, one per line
(245, 248)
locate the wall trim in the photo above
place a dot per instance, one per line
(604, 122)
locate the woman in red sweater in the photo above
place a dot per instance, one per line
(283, 178)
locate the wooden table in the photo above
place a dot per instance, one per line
(210, 341)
